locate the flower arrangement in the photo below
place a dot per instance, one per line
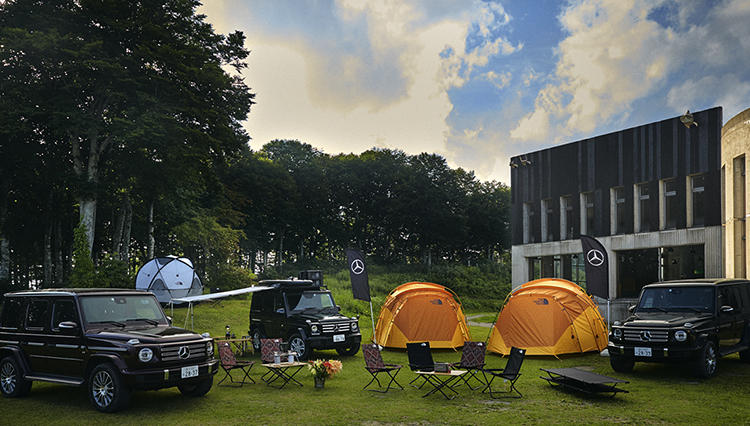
(321, 369)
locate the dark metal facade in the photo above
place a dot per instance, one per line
(644, 154)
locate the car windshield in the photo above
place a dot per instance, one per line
(119, 310)
(309, 300)
(670, 299)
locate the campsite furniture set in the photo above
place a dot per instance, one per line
(241, 345)
(281, 370)
(582, 381)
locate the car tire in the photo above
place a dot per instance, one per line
(348, 350)
(707, 363)
(12, 383)
(621, 364)
(107, 391)
(198, 388)
(256, 334)
(299, 345)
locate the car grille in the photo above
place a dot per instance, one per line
(335, 327)
(646, 335)
(172, 352)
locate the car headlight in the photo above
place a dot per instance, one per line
(210, 348)
(617, 333)
(680, 335)
(314, 328)
(145, 354)
(355, 326)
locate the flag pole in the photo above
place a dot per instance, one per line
(372, 318)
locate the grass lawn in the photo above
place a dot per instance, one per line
(665, 394)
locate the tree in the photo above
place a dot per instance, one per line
(83, 268)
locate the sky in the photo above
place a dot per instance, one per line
(480, 81)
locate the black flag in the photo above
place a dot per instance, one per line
(358, 274)
(597, 267)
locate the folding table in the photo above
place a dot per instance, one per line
(440, 381)
(283, 371)
(582, 381)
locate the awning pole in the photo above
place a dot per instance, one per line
(372, 318)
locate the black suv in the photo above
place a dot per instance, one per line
(693, 321)
(109, 340)
(304, 314)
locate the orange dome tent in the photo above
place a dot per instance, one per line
(419, 312)
(550, 316)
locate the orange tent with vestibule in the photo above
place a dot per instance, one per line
(419, 312)
(549, 316)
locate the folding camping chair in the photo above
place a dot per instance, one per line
(472, 360)
(420, 359)
(267, 349)
(228, 362)
(374, 365)
(511, 373)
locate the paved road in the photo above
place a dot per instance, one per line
(480, 324)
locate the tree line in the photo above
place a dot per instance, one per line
(121, 139)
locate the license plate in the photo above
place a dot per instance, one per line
(339, 338)
(191, 371)
(642, 351)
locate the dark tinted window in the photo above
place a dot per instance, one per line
(63, 310)
(670, 299)
(37, 314)
(12, 313)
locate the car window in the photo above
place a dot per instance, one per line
(666, 299)
(12, 313)
(62, 311)
(103, 309)
(37, 316)
(309, 300)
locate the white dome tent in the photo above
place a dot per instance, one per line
(169, 278)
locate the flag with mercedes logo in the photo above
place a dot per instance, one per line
(358, 274)
(597, 267)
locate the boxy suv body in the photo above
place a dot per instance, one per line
(111, 341)
(303, 314)
(694, 321)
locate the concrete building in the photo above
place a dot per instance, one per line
(735, 150)
(651, 194)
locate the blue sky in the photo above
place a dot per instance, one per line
(480, 81)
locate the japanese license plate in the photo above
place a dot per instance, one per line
(191, 371)
(642, 351)
(339, 337)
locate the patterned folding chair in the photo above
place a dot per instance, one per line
(374, 365)
(472, 360)
(511, 373)
(267, 349)
(228, 362)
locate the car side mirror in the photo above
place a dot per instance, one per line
(631, 308)
(67, 325)
(726, 309)
(169, 320)
(338, 308)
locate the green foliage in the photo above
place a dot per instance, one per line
(83, 274)
(114, 273)
(231, 277)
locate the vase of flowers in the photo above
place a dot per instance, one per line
(321, 370)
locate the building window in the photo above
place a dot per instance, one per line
(696, 212)
(528, 220)
(587, 213)
(578, 270)
(617, 219)
(535, 268)
(642, 212)
(566, 218)
(670, 206)
(548, 215)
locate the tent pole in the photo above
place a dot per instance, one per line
(372, 318)
(609, 320)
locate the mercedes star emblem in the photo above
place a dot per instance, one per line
(645, 335)
(595, 257)
(358, 266)
(183, 352)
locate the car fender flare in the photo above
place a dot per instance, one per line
(97, 359)
(18, 355)
(302, 333)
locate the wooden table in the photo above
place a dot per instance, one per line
(283, 371)
(582, 380)
(241, 345)
(440, 381)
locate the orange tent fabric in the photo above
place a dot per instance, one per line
(549, 316)
(419, 312)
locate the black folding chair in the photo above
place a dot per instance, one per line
(511, 373)
(472, 360)
(374, 365)
(420, 359)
